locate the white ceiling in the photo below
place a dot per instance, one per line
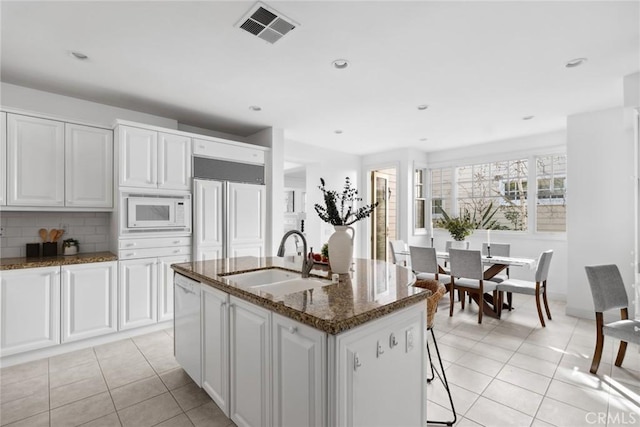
(480, 66)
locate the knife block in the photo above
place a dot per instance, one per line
(49, 249)
(33, 250)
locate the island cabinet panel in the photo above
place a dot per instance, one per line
(375, 362)
(250, 353)
(89, 304)
(215, 346)
(299, 366)
(29, 309)
(165, 285)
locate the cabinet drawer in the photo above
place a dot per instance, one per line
(161, 242)
(153, 252)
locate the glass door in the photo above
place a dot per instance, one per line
(380, 217)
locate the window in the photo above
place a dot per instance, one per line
(494, 195)
(420, 201)
(441, 192)
(551, 204)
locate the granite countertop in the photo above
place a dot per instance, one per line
(374, 289)
(52, 261)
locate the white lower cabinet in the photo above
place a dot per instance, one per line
(89, 300)
(215, 346)
(29, 309)
(250, 364)
(299, 362)
(138, 287)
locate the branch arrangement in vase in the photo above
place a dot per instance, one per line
(345, 214)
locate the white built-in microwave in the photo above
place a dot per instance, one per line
(157, 213)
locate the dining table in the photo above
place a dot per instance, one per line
(495, 264)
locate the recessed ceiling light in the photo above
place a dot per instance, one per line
(423, 139)
(422, 107)
(79, 55)
(575, 62)
(528, 117)
(337, 131)
(255, 108)
(340, 64)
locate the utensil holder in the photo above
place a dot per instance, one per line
(49, 249)
(33, 250)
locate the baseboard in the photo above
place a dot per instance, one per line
(56, 350)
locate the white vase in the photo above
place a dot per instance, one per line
(459, 244)
(341, 249)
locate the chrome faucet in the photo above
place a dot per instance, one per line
(307, 263)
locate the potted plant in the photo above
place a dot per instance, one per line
(458, 227)
(339, 211)
(70, 246)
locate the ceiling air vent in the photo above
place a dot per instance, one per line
(266, 23)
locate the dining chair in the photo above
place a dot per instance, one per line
(448, 245)
(424, 264)
(537, 288)
(398, 250)
(609, 293)
(467, 275)
(437, 292)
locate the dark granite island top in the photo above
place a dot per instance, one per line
(372, 290)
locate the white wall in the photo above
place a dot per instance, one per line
(601, 199)
(73, 109)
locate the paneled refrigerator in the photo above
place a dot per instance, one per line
(229, 209)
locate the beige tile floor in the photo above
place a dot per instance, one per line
(133, 382)
(503, 372)
(513, 372)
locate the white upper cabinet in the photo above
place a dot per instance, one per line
(35, 161)
(151, 159)
(3, 158)
(138, 157)
(89, 166)
(174, 161)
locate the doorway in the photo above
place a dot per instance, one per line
(383, 224)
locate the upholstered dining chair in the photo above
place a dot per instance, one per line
(448, 245)
(398, 250)
(537, 288)
(425, 264)
(467, 275)
(609, 293)
(437, 292)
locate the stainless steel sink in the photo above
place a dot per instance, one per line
(275, 282)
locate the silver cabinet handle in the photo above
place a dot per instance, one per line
(223, 304)
(293, 329)
(130, 245)
(356, 362)
(379, 351)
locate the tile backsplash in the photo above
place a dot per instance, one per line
(90, 229)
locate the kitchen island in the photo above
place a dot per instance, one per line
(346, 353)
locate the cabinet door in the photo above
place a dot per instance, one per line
(255, 249)
(250, 354)
(29, 309)
(246, 214)
(138, 157)
(3, 158)
(137, 289)
(88, 166)
(299, 364)
(35, 161)
(207, 227)
(215, 346)
(174, 161)
(369, 356)
(89, 303)
(203, 254)
(165, 285)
